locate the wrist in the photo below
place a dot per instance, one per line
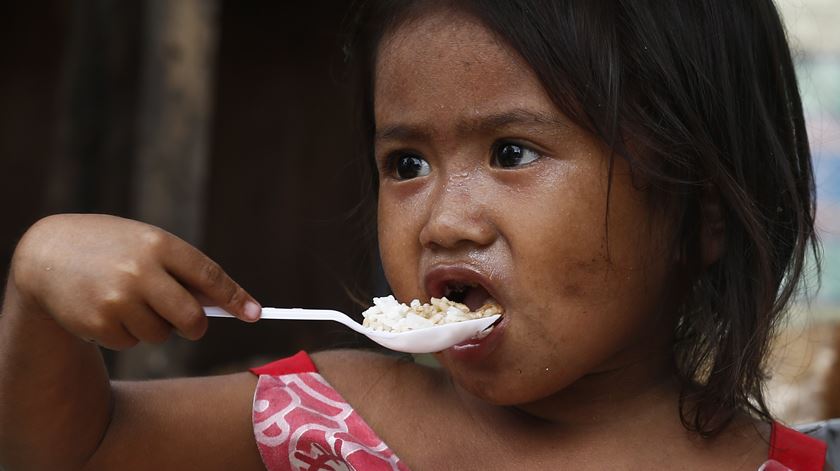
(23, 321)
(17, 298)
(17, 303)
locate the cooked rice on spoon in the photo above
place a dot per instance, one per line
(389, 315)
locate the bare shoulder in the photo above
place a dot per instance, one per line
(363, 375)
(385, 390)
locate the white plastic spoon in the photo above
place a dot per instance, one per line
(426, 340)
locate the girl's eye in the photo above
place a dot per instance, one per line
(409, 166)
(510, 155)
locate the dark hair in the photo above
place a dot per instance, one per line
(706, 93)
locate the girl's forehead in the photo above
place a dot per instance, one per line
(448, 38)
(452, 29)
(438, 66)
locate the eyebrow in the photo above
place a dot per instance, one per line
(478, 124)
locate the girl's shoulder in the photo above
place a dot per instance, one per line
(380, 387)
(372, 372)
(386, 407)
(384, 389)
(355, 372)
(415, 409)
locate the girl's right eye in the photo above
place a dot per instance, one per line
(407, 166)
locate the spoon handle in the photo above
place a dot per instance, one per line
(295, 314)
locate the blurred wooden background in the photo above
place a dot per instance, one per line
(227, 123)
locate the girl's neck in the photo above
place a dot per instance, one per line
(631, 412)
(630, 393)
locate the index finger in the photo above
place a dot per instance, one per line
(200, 273)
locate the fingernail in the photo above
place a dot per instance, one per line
(252, 310)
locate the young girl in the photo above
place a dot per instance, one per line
(629, 180)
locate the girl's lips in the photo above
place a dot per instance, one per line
(476, 349)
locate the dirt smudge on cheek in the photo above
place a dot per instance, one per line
(572, 290)
(580, 275)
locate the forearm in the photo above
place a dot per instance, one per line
(54, 391)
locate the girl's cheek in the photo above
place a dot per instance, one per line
(398, 247)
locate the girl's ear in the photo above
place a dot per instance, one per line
(712, 226)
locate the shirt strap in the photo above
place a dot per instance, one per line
(297, 363)
(795, 449)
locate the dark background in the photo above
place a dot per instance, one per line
(282, 200)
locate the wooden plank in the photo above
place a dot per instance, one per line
(170, 169)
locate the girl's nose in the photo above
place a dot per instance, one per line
(457, 218)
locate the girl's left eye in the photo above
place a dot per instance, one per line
(510, 155)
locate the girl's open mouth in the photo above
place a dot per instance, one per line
(473, 295)
(474, 290)
(477, 299)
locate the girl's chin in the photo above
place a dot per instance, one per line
(476, 350)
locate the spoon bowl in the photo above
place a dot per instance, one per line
(425, 340)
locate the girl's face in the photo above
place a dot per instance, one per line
(485, 184)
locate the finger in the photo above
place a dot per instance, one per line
(146, 325)
(198, 272)
(117, 338)
(174, 304)
(202, 299)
